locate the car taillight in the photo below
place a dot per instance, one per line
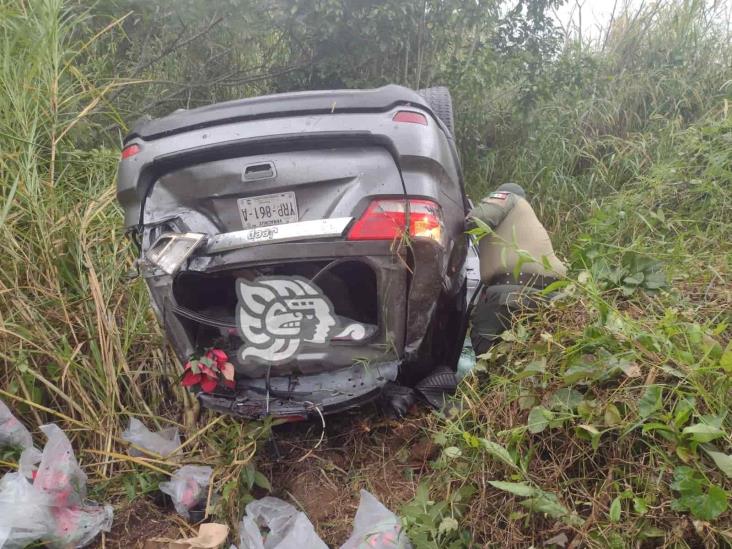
(386, 219)
(130, 150)
(411, 117)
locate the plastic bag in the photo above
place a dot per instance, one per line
(25, 515)
(59, 474)
(162, 442)
(28, 462)
(375, 527)
(187, 487)
(63, 482)
(12, 431)
(52, 508)
(288, 527)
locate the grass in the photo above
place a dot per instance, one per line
(584, 420)
(603, 418)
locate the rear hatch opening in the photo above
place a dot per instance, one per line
(206, 303)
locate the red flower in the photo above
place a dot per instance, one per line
(208, 384)
(205, 371)
(190, 379)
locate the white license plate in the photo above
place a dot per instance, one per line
(268, 209)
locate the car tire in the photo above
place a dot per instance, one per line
(440, 101)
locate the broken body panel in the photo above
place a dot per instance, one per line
(275, 184)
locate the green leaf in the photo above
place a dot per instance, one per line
(655, 280)
(545, 502)
(262, 481)
(726, 360)
(612, 415)
(651, 401)
(539, 419)
(723, 461)
(471, 440)
(615, 510)
(566, 399)
(517, 488)
(582, 371)
(499, 452)
(452, 452)
(533, 368)
(707, 506)
(703, 505)
(701, 432)
(640, 506)
(448, 524)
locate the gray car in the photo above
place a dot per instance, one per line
(317, 238)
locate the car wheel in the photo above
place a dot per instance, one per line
(440, 101)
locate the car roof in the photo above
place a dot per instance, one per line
(283, 104)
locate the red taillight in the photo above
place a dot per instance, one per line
(387, 219)
(130, 150)
(411, 117)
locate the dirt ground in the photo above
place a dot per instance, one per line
(320, 472)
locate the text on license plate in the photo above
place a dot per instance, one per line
(268, 209)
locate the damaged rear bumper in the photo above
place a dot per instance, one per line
(300, 397)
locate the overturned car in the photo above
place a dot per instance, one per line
(317, 238)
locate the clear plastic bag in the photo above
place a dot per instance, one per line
(12, 431)
(28, 462)
(187, 487)
(52, 508)
(375, 527)
(288, 527)
(25, 515)
(162, 442)
(59, 474)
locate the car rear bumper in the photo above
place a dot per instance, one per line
(300, 397)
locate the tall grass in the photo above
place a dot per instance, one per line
(76, 344)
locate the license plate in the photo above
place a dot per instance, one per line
(268, 209)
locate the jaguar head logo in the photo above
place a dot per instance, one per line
(276, 315)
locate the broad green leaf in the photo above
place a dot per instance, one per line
(498, 452)
(650, 401)
(471, 440)
(707, 506)
(612, 415)
(262, 481)
(533, 368)
(726, 360)
(593, 433)
(452, 452)
(548, 503)
(723, 461)
(539, 419)
(615, 510)
(517, 488)
(582, 371)
(566, 398)
(701, 432)
(640, 506)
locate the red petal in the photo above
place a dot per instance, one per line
(208, 371)
(227, 369)
(218, 355)
(208, 384)
(230, 383)
(190, 379)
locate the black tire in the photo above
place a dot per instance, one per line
(440, 101)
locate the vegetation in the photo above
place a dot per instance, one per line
(602, 419)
